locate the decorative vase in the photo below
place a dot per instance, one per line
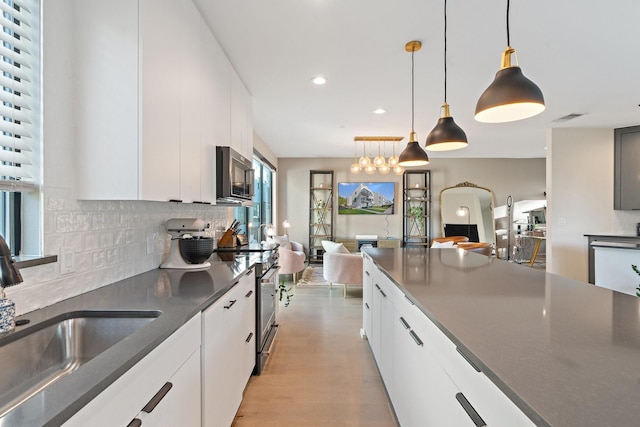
(7, 315)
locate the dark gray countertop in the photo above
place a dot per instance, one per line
(178, 294)
(566, 352)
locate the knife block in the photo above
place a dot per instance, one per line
(228, 240)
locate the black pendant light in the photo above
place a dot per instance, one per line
(413, 154)
(447, 135)
(511, 96)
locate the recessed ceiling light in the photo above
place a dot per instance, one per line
(319, 80)
(379, 111)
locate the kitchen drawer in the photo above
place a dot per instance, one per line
(495, 408)
(122, 401)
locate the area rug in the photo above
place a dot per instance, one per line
(312, 276)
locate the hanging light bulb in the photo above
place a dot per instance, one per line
(370, 169)
(364, 160)
(384, 169)
(446, 135)
(379, 160)
(393, 160)
(355, 167)
(511, 96)
(398, 170)
(413, 154)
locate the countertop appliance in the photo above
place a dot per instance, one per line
(234, 183)
(190, 244)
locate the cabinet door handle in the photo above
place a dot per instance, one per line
(377, 287)
(465, 357)
(249, 337)
(248, 294)
(250, 272)
(233, 301)
(157, 398)
(469, 409)
(136, 422)
(366, 305)
(367, 273)
(404, 323)
(383, 294)
(416, 338)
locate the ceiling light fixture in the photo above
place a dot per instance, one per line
(379, 111)
(413, 154)
(511, 96)
(364, 161)
(355, 167)
(378, 164)
(446, 135)
(319, 80)
(379, 160)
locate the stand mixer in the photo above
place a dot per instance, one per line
(190, 247)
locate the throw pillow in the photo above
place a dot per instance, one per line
(442, 244)
(333, 247)
(283, 241)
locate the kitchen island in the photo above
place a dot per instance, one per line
(565, 353)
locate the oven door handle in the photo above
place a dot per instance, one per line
(266, 277)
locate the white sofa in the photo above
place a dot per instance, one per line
(341, 267)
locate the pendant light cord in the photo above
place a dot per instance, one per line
(445, 51)
(508, 37)
(412, 51)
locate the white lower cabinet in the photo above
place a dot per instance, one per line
(166, 383)
(228, 352)
(367, 296)
(382, 314)
(428, 380)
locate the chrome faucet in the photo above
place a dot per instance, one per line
(9, 272)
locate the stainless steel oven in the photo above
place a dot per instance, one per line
(266, 301)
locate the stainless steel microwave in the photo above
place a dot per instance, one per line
(234, 183)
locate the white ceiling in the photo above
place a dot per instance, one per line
(583, 54)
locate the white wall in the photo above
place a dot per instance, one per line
(109, 239)
(520, 178)
(580, 190)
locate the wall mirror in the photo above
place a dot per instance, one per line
(467, 210)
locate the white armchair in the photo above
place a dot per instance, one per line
(342, 268)
(291, 257)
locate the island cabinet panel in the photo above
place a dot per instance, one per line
(429, 381)
(175, 361)
(367, 296)
(382, 314)
(226, 345)
(427, 396)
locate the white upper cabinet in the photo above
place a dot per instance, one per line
(241, 117)
(154, 99)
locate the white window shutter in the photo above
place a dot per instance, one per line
(19, 109)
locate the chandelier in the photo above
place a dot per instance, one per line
(380, 163)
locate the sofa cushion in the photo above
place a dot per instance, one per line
(333, 247)
(283, 241)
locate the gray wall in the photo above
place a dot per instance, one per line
(520, 178)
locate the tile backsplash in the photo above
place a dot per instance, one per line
(110, 241)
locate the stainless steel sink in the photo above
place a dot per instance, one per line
(38, 356)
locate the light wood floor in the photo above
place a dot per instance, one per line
(320, 373)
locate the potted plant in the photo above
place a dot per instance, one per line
(285, 293)
(416, 213)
